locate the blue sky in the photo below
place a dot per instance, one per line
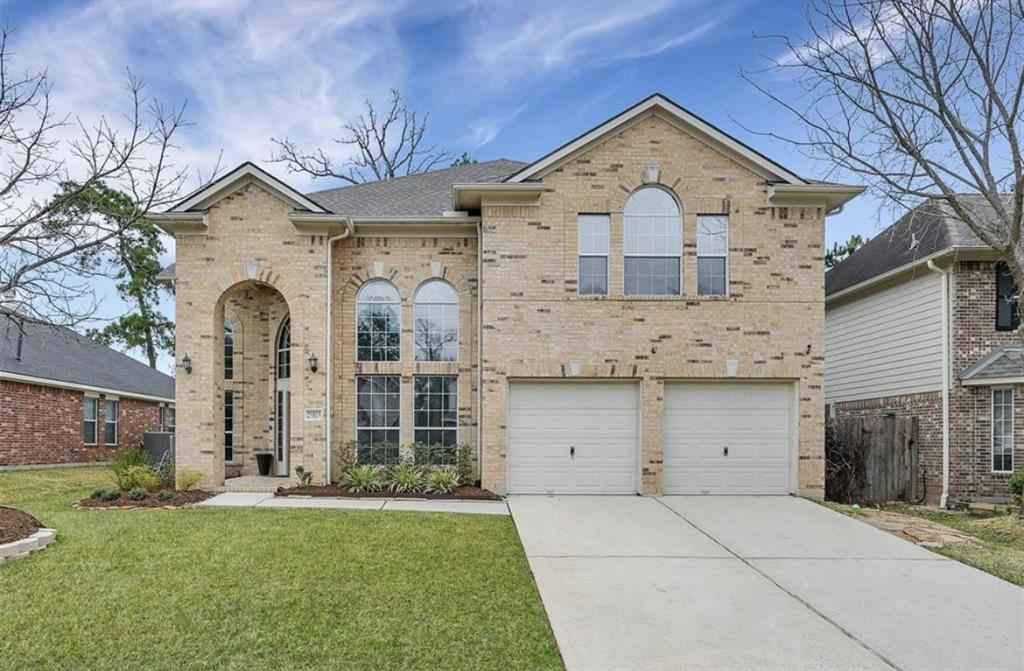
(511, 79)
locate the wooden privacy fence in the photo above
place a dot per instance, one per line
(871, 459)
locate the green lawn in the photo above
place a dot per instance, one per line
(268, 589)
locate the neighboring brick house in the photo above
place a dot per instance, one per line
(925, 310)
(641, 310)
(66, 399)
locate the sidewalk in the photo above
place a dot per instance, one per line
(264, 500)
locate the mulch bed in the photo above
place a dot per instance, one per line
(180, 499)
(466, 493)
(15, 525)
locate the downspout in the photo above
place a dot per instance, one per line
(328, 347)
(480, 348)
(945, 380)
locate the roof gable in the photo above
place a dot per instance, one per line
(675, 114)
(232, 181)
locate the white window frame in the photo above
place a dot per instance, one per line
(229, 394)
(416, 427)
(360, 302)
(580, 254)
(106, 420)
(992, 432)
(286, 324)
(416, 303)
(94, 421)
(398, 428)
(229, 328)
(625, 230)
(724, 255)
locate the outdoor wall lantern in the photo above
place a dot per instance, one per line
(312, 362)
(187, 364)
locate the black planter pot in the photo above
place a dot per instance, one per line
(263, 462)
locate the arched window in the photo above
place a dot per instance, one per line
(378, 323)
(284, 351)
(436, 316)
(653, 243)
(229, 350)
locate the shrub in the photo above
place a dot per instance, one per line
(465, 464)
(189, 478)
(120, 466)
(165, 470)
(305, 477)
(1017, 486)
(442, 480)
(137, 476)
(365, 478)
(138, 494)
(435, 454)
(98, 493)
(110, 494)
(378, 454)
(165, 495)
(406, 477)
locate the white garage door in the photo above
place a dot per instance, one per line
(728, 438)
(573, 437)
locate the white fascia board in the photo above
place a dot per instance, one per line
(87, 389)
(832, 196)
(687, 119)
(228, 183)
(469, 195)
(181, 223)
(992, 381)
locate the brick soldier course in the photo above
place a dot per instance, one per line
(254, 249)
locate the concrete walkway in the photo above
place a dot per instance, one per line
(756, 583)
(264, 500)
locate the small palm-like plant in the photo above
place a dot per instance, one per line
(406, 477)
(366, 478)
(442, 480)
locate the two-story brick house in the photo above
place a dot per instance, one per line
(922, 321)
(641, 310)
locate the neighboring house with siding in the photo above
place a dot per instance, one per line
(921, 321)
(65, 399)
(640, 310)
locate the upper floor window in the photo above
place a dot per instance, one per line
(284, 351)
(712, 255)
(229, 350)
(378, 324)
(436, 317)
(593, 251)
(1007, 314)
(653, 243)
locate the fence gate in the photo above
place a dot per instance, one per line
(874, 459)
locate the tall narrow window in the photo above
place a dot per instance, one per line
(1002, 430)
(1007, 312)
(436, 416)
(593, 251)
(712, 255)
(653, 243)
(378, 413)
(229, 350)
(229, 425)
(90, 405)
(378, 325)
(110, 409)
(284, 351)
(436, 317)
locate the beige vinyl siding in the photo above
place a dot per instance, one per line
(887, 343)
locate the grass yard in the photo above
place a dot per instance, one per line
(264, 589)
(1003, 553)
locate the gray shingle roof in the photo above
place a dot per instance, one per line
(1001, 363)
(60, 354)
(422, 195)
(927, 229)
(167, 274)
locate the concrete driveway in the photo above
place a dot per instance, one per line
(755, 583)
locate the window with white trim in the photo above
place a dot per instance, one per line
(90, 406)
(284, 350)
(713, 255)
(378, 322)
(593, 254)
(652, 244)
(436, 416)
(378, 418)
(229, 425)
(436, 322)
(110, 409)
(1002, 430)
(229, 350)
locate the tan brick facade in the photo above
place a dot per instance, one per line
(253, 264)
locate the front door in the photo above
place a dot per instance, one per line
(283, 400)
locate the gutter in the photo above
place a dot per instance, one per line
(47, 382)
(943, 500)
(328, 350)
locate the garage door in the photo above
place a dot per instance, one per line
(572, 437)
(728, 438)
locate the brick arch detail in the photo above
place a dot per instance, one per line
(406, 293)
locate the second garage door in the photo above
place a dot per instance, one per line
(728, 438)
(573, 437)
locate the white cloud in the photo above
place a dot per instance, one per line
(484, 130)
